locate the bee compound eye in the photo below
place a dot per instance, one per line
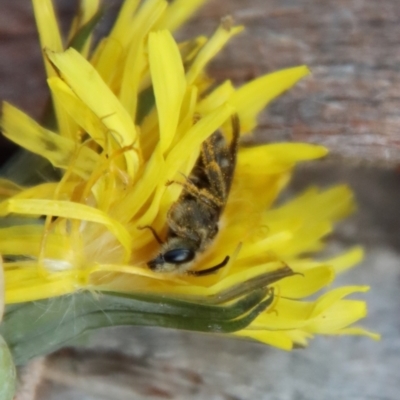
(179, 256)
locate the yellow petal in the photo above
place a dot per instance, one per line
(216, 98)
(251, 98)
(91, 89)
(356, 331)
(67, 209)
(318, 212)
(47, 191)
(178, 12)
(286, 314)
(169, 83)
(49, 32)
(332, 204)
(266, 244)
(87, 10)
(108, 49)
(40, 289)
(109, 53)
(26, 241)
(79, 111)
(60, 151)
(309, 282)
(303, 240)
(121, 30)
(131, 78)
(136, 62)
(190, 48)
(125, 269)
(285, 152)
(299, 337)
(50, 38)
(276, 158)
(334, 296)
(221, 36)
(276, 339)
(187, 114)
(346, 260)
(143, 188)
(338, 316)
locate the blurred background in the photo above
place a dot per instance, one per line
(350, 104)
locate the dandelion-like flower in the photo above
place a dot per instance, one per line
(131, 116)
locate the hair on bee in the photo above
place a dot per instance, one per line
(194, 218)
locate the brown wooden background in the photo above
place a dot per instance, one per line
(349, 104)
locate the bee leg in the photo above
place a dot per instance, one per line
(203, 195)
(217, 181)
(233, 148)
(155, 234)
(219, 161)
(211, 270)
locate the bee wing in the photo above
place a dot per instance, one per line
(219, 160)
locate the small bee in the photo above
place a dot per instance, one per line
(193, 219)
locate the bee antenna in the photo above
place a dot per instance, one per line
(211, 270)
(155, 234)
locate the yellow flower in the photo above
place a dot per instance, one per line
(131, 116)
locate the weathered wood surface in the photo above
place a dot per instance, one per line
(350, 103)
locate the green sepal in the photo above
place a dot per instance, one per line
(7, 372)
(146, 101)
(242, 288)
(37, 328)
(78, 41)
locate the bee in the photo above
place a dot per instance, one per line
(193, 219)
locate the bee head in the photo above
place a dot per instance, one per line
(176, 255)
